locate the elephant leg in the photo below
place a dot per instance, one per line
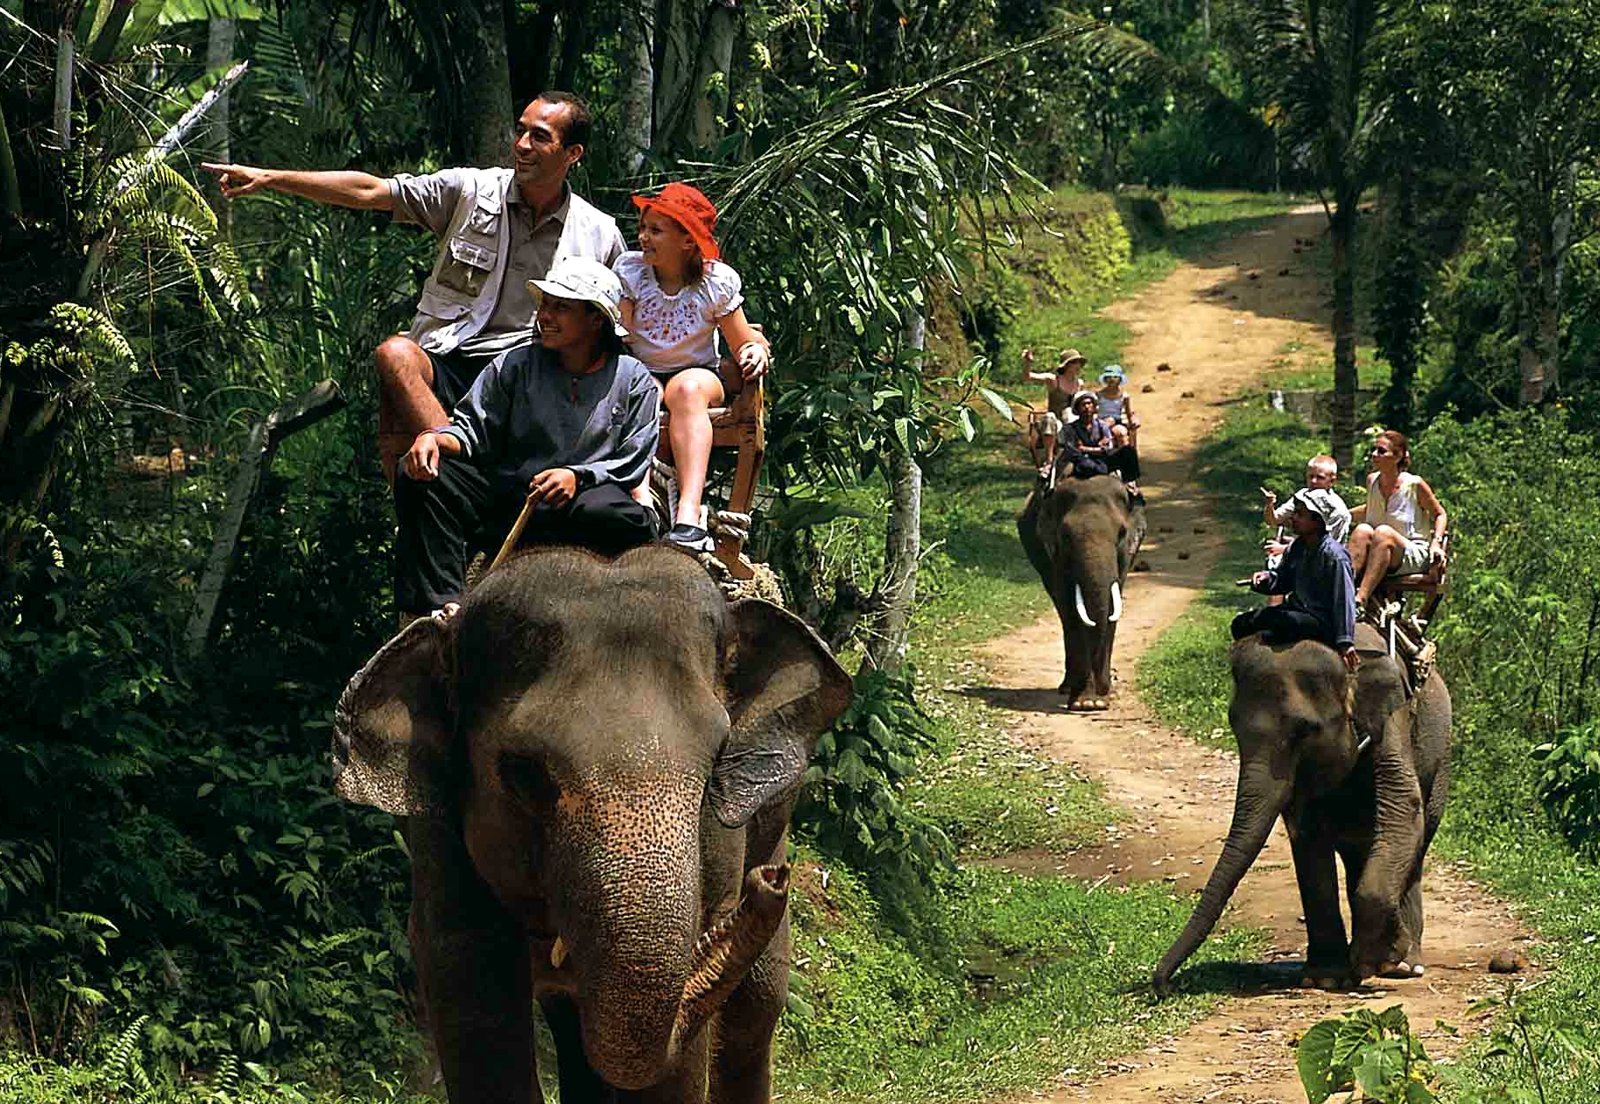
(1327, 949)
(577, 1078)
(473, 970)
(1394, 861)
(1410, 949)
(1076, 660)
(741, 1072)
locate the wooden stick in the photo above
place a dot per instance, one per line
(515, 534)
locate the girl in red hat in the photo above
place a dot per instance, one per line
(677, 296)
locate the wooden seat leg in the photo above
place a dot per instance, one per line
(751, 453)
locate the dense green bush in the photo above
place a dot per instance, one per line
(1569, 783)
(1520, 627)
(154, 824)
(853, 806)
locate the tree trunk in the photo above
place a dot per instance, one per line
(677, 55)
(636, 112)
(535, 33)
(1530, 309)
(712, 75)
(220, 35)
(574, 40)
(61, 116)
(1400, 300)
(10, 187)
(1552, 265)
(484, 125)
(886, 644)
(1345, 382)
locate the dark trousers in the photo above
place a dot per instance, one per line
(445, 520)
(1280, 625)
(454, 374)
(1124, 461)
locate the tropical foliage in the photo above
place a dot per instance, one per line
(181, 899)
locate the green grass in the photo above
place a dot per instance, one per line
(1031, 975)
(1054, 979)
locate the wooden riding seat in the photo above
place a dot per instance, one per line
(1432, 584)
(741, 425)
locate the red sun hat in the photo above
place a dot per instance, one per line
(690, 209)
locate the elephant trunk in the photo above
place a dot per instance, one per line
(649, 1000)
(1261, 798)
(1093, 574)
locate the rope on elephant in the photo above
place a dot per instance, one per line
(763, 582)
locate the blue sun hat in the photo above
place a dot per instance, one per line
(1113, 372)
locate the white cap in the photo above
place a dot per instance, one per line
(587, 281)
(1320, 501)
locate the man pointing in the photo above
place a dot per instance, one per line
(497, 228)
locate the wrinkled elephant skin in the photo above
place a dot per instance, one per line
(597, 760)
(1367, 787)
(1082, 537)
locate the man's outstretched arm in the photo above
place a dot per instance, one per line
(341, 188)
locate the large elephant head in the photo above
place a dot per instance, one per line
(618, 748)
(1350, 765)
(1082, 537)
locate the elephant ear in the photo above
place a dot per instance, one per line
(784, 690)
(392, 726)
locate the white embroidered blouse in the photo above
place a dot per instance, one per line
(677, 331)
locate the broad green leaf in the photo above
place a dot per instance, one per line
(1314, 1061)
(996, 400)
(1381, 1065)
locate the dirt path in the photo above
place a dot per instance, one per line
(1220, 325)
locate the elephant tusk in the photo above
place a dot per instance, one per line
(1116, 602)
(558, 952)
(1083, 612)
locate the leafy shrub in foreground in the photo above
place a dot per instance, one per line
(1373, 1052)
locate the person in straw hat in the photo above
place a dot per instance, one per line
(1059, 388)
(565, 426)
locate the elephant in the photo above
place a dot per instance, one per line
(1081, 537)
(597, 760)
(1357, 769)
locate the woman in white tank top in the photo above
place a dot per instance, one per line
(1402, 524)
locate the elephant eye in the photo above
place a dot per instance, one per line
(528, 779)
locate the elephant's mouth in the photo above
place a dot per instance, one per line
(719, 960)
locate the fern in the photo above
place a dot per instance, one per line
(123, 1066)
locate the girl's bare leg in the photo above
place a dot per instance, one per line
(1383, 556)
(689, 396)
